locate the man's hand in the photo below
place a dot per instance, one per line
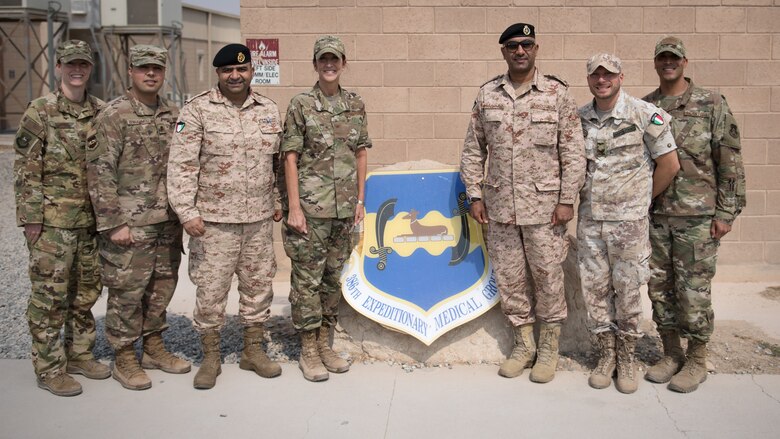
(478, 212)
(562, 214)
(121, 236)
(297, 221)
(277, 215)
(32, 232)
(360, 212)
(195, 227)
(718, 229)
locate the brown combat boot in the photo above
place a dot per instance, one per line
(91, 369)
(330, 359)
(522, 355)
(59, 383)
(547, 354)
(601, 377)
(627, 381)
(254, 358)
(211, 365)
(695, 370)
(310, 362)
(672, 360)
(157, 357)
(127, 370)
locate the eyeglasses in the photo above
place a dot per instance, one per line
(525, 44)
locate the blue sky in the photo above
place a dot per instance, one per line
(230, 6)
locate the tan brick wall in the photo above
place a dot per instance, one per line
(418, 65)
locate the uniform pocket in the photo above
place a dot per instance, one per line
(218, 141)
(705, 249)
(544, 127)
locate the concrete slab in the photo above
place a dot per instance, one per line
(376, 400)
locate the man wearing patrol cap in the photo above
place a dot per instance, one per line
(221, 185)
(53, 206)
(140, 237)
(690, 217)
(625, 139)
(526, 126)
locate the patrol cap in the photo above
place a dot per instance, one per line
(71, 50)
(517, 30)
(329, 44)
(143, 54)
(607, 60)
(232, 54)
(670, 44)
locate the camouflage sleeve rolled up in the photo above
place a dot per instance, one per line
(184, 163)
(472, 159)
(571, 149)
(28, 168)
(727, 156)
(104, 147)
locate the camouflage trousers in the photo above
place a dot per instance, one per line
(513, 250)
(245, 250)
(613, 262)
(65, 278)
(141, 279)
(682, 267)
(317, 261)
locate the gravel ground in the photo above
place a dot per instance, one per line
(736, 347)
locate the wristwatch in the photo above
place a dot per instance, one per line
(473, 200)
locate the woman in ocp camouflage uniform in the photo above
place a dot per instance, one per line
(324, 150)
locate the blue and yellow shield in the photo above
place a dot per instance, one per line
(421, 267)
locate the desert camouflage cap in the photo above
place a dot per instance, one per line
(144, 54)
(670, 44)
(329, 44)
(607, 60)
(71, 50)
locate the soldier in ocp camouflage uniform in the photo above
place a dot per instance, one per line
(52, 204)
(525, 125)
(140, 237)
(221, 185)
(631, 158)
(324, 148)
(690, 217)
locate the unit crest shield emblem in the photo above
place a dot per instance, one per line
(422, 266)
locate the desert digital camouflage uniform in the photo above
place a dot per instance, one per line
(710, 185)
(222, 168)
(325, 134)
(51, 189)
(612, 231)
(535, 160)
(127, 161)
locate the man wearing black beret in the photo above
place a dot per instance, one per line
(221, 185)
(526, 126)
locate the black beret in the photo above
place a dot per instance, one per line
(232, 54)
(517, 30)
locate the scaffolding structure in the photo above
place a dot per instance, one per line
(20, 33)
(117, 42)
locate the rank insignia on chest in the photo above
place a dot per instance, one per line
(656, 119)
(625, 130)
(179, 127)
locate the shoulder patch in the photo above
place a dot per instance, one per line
(557, 79)
(656, 119)
(179, 127)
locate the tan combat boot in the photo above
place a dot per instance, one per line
(330, 359)
(91, 369)
(59, 383)
(127, 370)
(310, 362)
(254, 358)
(157, 357)
(695, 370)
(211, 365)
(601, 377)
(522, 355)
(547, 354)
(672, 360)
(627, 381)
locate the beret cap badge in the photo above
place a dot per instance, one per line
(526, 30)
(240, 58)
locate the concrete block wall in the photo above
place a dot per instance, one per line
(418, 65)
